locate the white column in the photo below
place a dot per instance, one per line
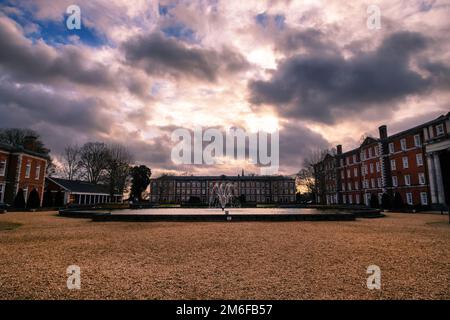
(432, 177)
(439, 181)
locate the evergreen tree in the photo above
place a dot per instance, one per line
(19, 200)
(33, 200)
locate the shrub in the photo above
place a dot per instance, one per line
(374, 201)
(19, 200)
(398, 201)
(386, 201)
(33, 200)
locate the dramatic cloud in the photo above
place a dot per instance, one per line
(38, 61)
(159, 55)
(136, 70)
(322, 87)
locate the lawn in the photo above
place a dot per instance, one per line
(225, 260)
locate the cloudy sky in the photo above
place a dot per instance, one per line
(137, 70)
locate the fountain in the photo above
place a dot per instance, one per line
(223, 193)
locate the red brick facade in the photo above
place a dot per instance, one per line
(20, 169)
(413, 163)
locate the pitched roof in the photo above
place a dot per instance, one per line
(11, 148)
(222, 177)
(77, 186)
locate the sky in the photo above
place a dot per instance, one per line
(137, 70)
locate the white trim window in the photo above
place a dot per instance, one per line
(377, 167)
(370, 152)
(356, 185)
(349, 186)
(393, 165)
(394, 181)
(421, 178)
(354, 158)
(440, 129)
(423, 198)
(405, 163)
(28, 169)
(419, 159)
(350, 199)
(371, 167)
(379, 182)
(417, 141)
(403, 144)
(372, 182)
(358, 200)
(343, 186)
(391, 147)
(348, 173)
(409, 198)
(2, 168)
(342, 174)
(407, 180)
(2, 192)
(355, 172)
(37, 172)
(344, 199)
(25, 194)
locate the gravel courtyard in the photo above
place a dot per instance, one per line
(248, 260)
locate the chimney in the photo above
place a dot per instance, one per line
(29, 143)
(383, 132)
(339, 149)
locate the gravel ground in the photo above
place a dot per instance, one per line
(248, 260)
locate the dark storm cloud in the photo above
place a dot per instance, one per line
(28, 105)
(160, 55)
(37, 62)
(324, 87)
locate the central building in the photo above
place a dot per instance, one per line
(256, 189)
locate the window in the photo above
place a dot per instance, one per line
(347, 160)
(2, 167)
(356, 185)
(379, 182)
(403, 144)
(342, 174)
(349, 186)
(342, 162)
(419, 160)
(355, 172)
(409, 199)
(348, 173)
(350, 199)
(421, 178)
(357, 199)
(407, 180)
(25, 194)
(343, 187)
(2, 192)
(378, 166)
(372, 181)
(344, 199)
(38, 172)
(424, 198)
(371, 168)
(370, 152)
(417, 141)
(393, 165)
(375, 149)
(28, 169)
(440, 129)
(405, 163)
(354, 158)
(394, 181)
(391, 147)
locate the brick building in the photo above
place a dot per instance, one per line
(21, 168)
(259, 189)
(413, 163)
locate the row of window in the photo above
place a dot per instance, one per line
(377, 183)
(407, 179)
(371, 168)
(409, 198)
(37, 171)
(235, 191)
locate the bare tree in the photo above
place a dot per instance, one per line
(117, 168)
(94, 161)
(71, 162)
(306, 177)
